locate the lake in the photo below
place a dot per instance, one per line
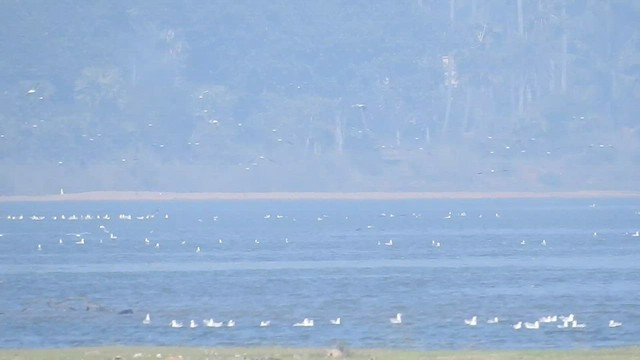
(87, 273)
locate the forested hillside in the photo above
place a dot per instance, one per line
(390, 95)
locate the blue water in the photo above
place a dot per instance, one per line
(321, 260)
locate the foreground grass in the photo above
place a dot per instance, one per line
(175, 353)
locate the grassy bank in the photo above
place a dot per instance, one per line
(175, 353)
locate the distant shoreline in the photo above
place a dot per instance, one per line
(233, 196)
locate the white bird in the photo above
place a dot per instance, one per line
(397, 319)
(147, 319)
(636, 234)
(81, 242)
(231, 323)
(335, 321)
(60, 242)
(265, 323)
(471, 322)
(544, 243)
(614, 324)
(495, 320)
(575, 324)
(533, 325)
(389, 243)
(568, 318)
(39, 247)
(198, 249)
(305, 323)
(193, 324)
(211, 323)
(564, 325)
(518, 325)
(548, 319)
(176, 324)
(523, 242)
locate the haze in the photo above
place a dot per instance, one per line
(319, 95)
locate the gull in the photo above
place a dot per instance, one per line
(518, 325)
(211, 323)
(39, 247)
(305, 323)
(231, 323)
(472, 322)
(548, 319)
(523, 242)
(335, 321)
(575, 324)
(389, 243)
(112, 237)
(614, 324)
(636, 234)
(198, 249)
(176, 324)
(146, 241)
(568, 318)
(256, 241)
(80, 242)
(157, 245)
(448, 216)
(147, 319)
(193, 324)
(564, 325)
(495, 320)
(265, 323)
(533, 325)
(544, 243)
(60, 241)
(397, 319)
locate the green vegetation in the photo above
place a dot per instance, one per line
(405, 95)
(175, 353)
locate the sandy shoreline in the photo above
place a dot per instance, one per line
(227, 196)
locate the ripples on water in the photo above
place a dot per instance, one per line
(321, 260)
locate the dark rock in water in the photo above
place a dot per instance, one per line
(125, 312)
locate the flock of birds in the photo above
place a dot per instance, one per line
(568, 321)
(80, 239)
(210, 323)
(562, 322)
